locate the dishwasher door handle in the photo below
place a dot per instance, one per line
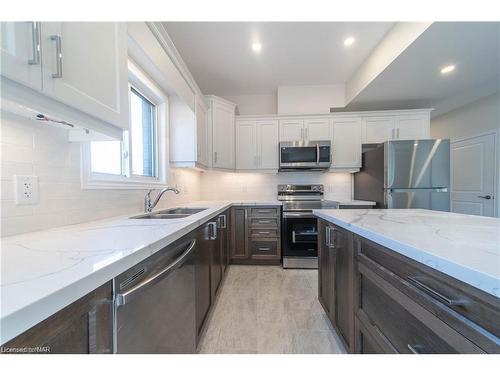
(124, 298)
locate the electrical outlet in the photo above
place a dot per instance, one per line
(26, 189)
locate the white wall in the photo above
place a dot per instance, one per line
(248, 186)
(264, 104)
(310, 99)
(38, 149)
(470, 119)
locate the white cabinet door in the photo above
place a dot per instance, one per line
(222, 136)
(412, 127)
(201, 134)
(85, 66)
(291, 130)
(346, 143)
(317, 129)
(267, 144)
(246, 145)
(20, 53)
(378, 129)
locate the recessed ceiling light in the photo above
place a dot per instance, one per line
(448, 69)
(349, 41)
(256, 47)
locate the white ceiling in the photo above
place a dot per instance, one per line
(220, 58)
(414, 79)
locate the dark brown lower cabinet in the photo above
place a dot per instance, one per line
(256, 235)
(335, 276)
(85, 326)
(203, 259)
(402, 306)
(380, 301)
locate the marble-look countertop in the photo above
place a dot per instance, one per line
(465, 247)
(42, 272)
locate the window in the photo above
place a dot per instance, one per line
(133, 162)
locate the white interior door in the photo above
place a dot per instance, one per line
(473, 173)
(20, 53)
(291, 130)
(267, 144)
(246, 145)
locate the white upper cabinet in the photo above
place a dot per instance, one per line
(291, 130)
(202, 146)
(246, 145)
(393, 126)
(257, 144)
(223, 133)
(377, 129)
(85, 66)
(346, 143)
(267, 144)
(316, 129)
(80, 64)
(412, 127)
(20, 53)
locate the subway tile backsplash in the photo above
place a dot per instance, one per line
(31, 148)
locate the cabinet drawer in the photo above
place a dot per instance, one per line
(449, 299)
(264, 233)
(265, 212)
(394, 324)
(260, 222)
(264, 249)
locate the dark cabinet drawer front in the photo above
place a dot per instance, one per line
(401, 329)
(265, 212)
(264, 249)
(441, 292)
(264, 233)
(271, 222)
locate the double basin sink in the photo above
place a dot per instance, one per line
(171, 213)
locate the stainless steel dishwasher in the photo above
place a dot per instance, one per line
(155, 308)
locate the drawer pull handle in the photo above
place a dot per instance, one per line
(264, 221)
(415, 349)
(447, 300)
(264, 248)
(263, 232)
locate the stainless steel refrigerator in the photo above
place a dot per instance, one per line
(406, 174)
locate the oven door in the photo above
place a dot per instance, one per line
(305, 155)
(300, 235)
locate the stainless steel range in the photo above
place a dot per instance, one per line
(299, 226)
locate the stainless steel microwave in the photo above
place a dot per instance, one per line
(301, 155)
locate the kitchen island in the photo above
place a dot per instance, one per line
(411, 281)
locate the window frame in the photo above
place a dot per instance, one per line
(146, 87)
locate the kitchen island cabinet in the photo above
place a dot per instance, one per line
(401, 304)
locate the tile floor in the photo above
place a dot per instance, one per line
(269, 310)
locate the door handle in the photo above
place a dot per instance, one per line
(317, 153)
(35, 40)
(213, 230)
(59, 67)
(123, 298)
(485, 196)
(434, 293)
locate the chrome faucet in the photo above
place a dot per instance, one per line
(149, 205)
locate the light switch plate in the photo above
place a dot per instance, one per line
(26, 189)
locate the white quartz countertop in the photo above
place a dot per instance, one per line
(465, 247)
(42, 272)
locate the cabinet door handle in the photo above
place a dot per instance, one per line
(35, 43)
(397, 133)
(307, 132)
(215, 157)
(213, 230)
(392, 133)
(484, 196)
(59, 62)
(331, 237)
(302, 133)
(434, 293)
